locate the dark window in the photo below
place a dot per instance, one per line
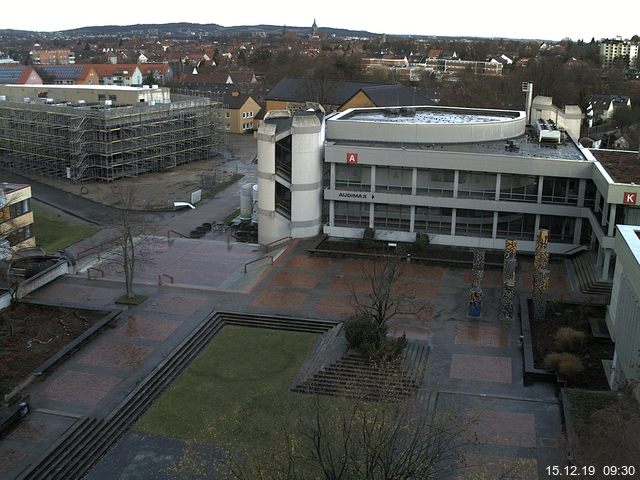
(517, 226)
(351, 214)
(433, 220)
(519, 188)
(353, 177)
(474, 223)
(392, 217)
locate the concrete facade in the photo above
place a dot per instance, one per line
(85, 93)
(466, 177)
(623, 313)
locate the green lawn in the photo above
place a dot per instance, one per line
(236, 390)
(54, 234)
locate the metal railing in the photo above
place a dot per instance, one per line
(270, 257)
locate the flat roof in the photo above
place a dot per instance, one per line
(428, 115)
(12, 187)
(85, 87)
(621, 165)
(523, 146)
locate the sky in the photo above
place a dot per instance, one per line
(576, 19)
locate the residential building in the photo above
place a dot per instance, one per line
(466, 177)
(123, 75)
(53, 57)
(162, 72)
(19, 75)
(16, 217)
(240, 112)
(68, 74)
(294, 94)
(601, 107)
(100, 132)
(610, 49)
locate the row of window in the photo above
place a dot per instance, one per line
(247, 114)
(15, 210)
(472, 223)
(19, 235)
(519, 188)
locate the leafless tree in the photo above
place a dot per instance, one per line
(333, 439)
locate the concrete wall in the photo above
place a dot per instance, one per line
(342, 127)
(306, 176)
(43, 278)
(569, 118)
(623, 312)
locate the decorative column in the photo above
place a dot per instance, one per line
(475, 292)
(508, 279)
(540, 275)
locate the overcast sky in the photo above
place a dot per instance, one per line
(484, 18)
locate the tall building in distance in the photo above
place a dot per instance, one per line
(610, 49)
(101, 132)
(53, 57)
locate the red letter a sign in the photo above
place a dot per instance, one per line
(352, 158)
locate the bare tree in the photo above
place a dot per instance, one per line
(128, 252)
(334, 439)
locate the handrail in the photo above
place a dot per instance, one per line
(97, 270)
(256, 260)
(268, 246)
(176, 232)
(87, 251)
(574, 250)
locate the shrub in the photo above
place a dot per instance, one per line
(569, 339)
(552, 361)
(362, 333)
(421, 244)
(367, 338)
(570, 366)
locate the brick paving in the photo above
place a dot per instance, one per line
(80, 387)
(150, 328)
(473, 364)
(115, 355)
(482, 336)
(486, 368)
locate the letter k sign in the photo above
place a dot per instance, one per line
(630, 198)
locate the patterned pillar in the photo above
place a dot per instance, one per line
(540, 295)
(475, 292)
(508, 289)
(540, 275)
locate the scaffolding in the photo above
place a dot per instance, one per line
(83, 142)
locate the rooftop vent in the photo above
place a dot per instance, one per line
(548, 132)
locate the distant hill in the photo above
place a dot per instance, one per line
(180, 29)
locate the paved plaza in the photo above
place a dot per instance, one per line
(475, 365)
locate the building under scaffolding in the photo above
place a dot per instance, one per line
(62, 131)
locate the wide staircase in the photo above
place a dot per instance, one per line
(90, 438)
(333, 370)
(588, 277)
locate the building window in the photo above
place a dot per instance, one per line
(392, 217)
(351, 214)
(560, 228)
(516, 226)
(477, 185)
(353, 177)
(227, 115)
(433, 220)
(435, 182)
(519, 188)
(394, 180)
(474, 223)
(560, 190)
(250, 114)
(227, 126)
(15, 210)
(19, 235)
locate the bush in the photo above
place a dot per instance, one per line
(362, 333)
(421, 244)
(570, 366)
(368, 339)
(552, 361)
(565, 364)
(569, 339)
(368, 238)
